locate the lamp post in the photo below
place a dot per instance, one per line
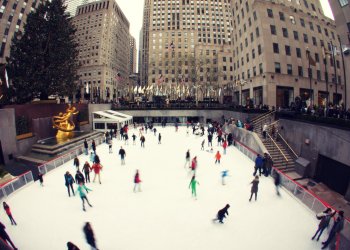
(335, 74)
(344, 71)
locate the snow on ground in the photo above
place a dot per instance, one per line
(163, 215)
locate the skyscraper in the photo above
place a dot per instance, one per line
(187, 48)
(271, 42)
(13, 15)
(104, 46)
(133, 55)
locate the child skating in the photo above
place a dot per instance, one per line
(224, 174)
(82, 189)
(9, 214)
(137, 182)
(193, 186)
(254, 189)
(217, 157)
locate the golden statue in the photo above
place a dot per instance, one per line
(63, 123)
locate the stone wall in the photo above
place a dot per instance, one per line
(8, 133)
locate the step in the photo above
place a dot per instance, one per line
(26, 159)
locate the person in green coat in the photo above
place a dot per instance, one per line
(193, 185)
(82, 189)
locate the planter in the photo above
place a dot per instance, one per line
(24, 136)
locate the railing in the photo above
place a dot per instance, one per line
(13, 185)
(287, 145)
(60, 160)
(20, 181)
(279, 149)
(307, 197)
(263, 117)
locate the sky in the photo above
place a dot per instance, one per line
(133, 10)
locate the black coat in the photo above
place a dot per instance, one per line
(79, 177)
(223, 212)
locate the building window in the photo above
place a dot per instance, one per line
(277, 67)
(257, 33)
(311, 26)
(269, 13)
(260, 68)
(317, 57)
(259, 49)
(314, 41)
(318, 75)
(343, 3)
(302, 22)
(306, 40)
(348, 28)
(296, 35)
(285, 32)
(287, 48)
(298, 51)
(300, 71)
(289, 69)
(255, 16)
(273, 29)
(253, 53)
(281, 16)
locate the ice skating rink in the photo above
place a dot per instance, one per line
(163, 215)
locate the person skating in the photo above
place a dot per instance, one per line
(126, 138)
(224, 146)
(41, 179)
(155, 131)
(188, 158)
(159, 138)
(5, 236)
(86, 147)
(79, 177)
(210, 138)
(137, 182)
(254, 189)
(142, 139)
(69, 180)
(110, 145)
(9, 214)
(222, 214)
(83, 190)
(122, 154)
(325, 218)
(133, 139)
(217, 157)
(337, 228)
(258, 164)
(202, 145)
(277, 181)
(97, 168)
(86, 170)
(93, 146)
(76, 163)
(224, 174)
(194, 164)
(89, 235)
(71, 246)
(193, 186)
(92, 157)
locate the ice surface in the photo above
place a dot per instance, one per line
(163, 215)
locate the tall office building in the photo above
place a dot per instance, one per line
(270, 44)
(341, 13)
(72, 5)
(187, 43)
(13, 15)
(104, 45)
(133, 55)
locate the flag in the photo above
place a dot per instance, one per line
(135, 90)
(311, 60)
(7, 79)
(87, 88)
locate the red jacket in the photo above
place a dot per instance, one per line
(96, 167)
(224, 145)
(137, 178)
(7, 209)
(218, 156)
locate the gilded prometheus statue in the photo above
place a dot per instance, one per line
(63, 122)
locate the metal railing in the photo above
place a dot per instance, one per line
(287, 145)
(20, 181)
(305, 196)
(263, 117)
(15, 184)
(279, 149)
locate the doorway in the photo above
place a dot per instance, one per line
(284, 96)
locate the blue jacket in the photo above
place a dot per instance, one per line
(259, 161)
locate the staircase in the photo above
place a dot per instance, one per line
(281, 153)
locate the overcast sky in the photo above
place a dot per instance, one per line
(133, 10)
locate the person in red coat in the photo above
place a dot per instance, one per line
(97, 168)
(9, 214)
(137, 182)
(217, 157)
(224, 145)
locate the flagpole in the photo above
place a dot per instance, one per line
(344, 77)
(335, 75)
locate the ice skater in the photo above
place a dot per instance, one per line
(92, 157)
(97, 167)
(41, 179)
(79, 177)
(137, 182)
(155, 131)
(5, 236)
(277, 180)
(69, 180)
(9, 214)
(76, 163)
(194, 164)
(224, 174)
(142, 139)
(71, 246)
(325, 218)
(217, 157)
(89, 235)
(258, 165)
(83, 190)
(188, 158)
(133, 139)
(93, 146)
(126, 138)
(110, 145)
(122, 154)
(86, 147)
(202, 145)
(222, 214)
(336, 229)
(159, 138)
(86, 170)
(254, 189)
(193, 186)
(224, 146)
